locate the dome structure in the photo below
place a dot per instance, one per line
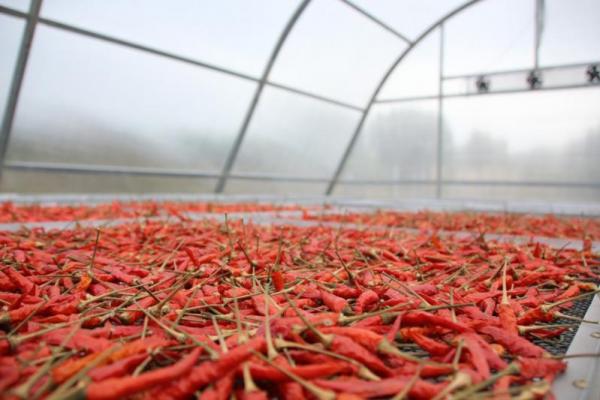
(386, 99)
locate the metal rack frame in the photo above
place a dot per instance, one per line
(32, 18)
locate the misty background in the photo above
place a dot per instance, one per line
(85, 101)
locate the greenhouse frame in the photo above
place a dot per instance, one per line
(290, 199)
(351, 117)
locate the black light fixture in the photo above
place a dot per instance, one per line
(593, 74)
(534, 80)
(482, 84)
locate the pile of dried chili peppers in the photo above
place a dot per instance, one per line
(11, 212)
(213, 309)
(505, 223)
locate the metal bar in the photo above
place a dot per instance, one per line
(17, 79)
(278, 178)
(389, 182)
(527, 90)
(261, 84)
(384, 79)
(147, 49)
(14, 13)
(146, 171)
(506, 91)
(521, 70)
(140, 47)
(104, 169)
(408, 99)
(440, 134)
(523, 183)
(377, 21)
(454, 182)
(315, 96)
(143, 171)
(539, 27)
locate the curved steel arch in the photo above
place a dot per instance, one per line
(254, 103)
(367, 109)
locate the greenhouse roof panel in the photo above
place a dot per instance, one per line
(235, 34)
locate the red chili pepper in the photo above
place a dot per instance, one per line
(333, 302)
(419, 318)
(201, 375)
(291, 391)
(265, 372)
(514, 343)
(478, 358)
(431, 346)
(19, 280)
(116, 388)
(385, 387)
(539, 367)
(116, 369)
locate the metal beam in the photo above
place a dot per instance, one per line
(179, 173)
(539, 16)
(143, 48)
(408, 99)
(440, 119)
(403, 55)
(276, 178)
(13, 12)
(595, 85)
(105, 169)
(253, 104)
(147, 49)
(459, 182)
(377, 21)
(315, 96)
(521, 70)
(17, 78)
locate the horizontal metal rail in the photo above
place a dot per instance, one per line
(520, 70)
(13, 12)
(315, 96)
(505, 91)
(144, 171)
(172, 56)
(408, 99)
(104, 169)
(455, 182)
(276, 178)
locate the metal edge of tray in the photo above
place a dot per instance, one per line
(585, 370)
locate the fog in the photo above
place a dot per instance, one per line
(87, 101)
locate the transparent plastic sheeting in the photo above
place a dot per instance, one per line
(274, 187)
(418, 74)
(385, 191)
(336, 52)
(148, 112)
(85, 101)
(11, 30)
(571, 32)
(579, 194)
(544, 136)
(492, 35)
(294, 135)
(398, 141)
(235, 34)
(61, 182)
